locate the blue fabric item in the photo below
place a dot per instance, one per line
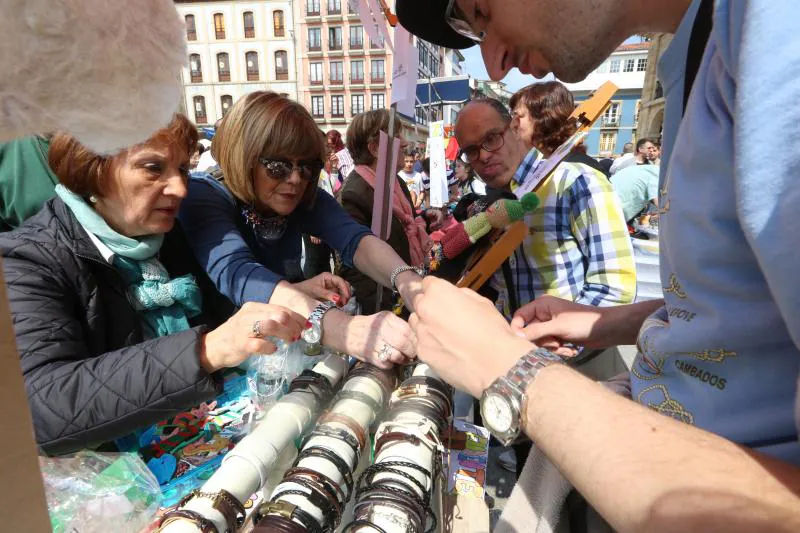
(165, 305)
(243, 268)
(635, 187)
(444, 92)
(723, 353)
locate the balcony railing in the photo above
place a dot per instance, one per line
(610, 121)
(314, 47)
(191, 35)
(337, 81)
(377, 78)
(220, 34)
(316, 82)
(224, 75)
(196, 77)
(252, 75)
(356, 45)
(200, 119)
(249, 32)
(337, 114)
(280, 31)
(335, 46)
(282, 76)
(312, 13)
(356, 79)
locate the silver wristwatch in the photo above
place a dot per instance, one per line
(503, 403)
(313, 335)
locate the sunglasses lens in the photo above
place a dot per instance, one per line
(279, 170)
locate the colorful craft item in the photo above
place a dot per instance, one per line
(499, 215)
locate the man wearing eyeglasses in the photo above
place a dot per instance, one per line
(578, 248)
(721, 352)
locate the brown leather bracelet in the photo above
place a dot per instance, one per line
(394, 436)
(386, 378)
(422, 394)
(348, 422)
(224, 502)
(416, 407)
(203, 524)
(331, 487)
(314, 484)
(280, 516)
(321, 452)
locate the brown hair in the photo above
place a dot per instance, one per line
(336, 137)
(264, 123)
(363, 130)
(549, 105)
(85, 172)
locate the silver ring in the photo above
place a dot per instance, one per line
(257, 333)
(386, 350)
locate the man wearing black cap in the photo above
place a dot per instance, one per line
(721, 352)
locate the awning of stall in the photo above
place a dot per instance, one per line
(447, 91)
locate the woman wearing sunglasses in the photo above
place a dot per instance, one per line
(245, 226)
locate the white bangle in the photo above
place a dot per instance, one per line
(399, 270)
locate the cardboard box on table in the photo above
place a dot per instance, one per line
(22, 501)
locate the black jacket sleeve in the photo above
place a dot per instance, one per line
(79, 399)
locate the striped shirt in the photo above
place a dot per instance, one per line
(577, 247)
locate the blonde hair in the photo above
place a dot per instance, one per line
(363, 130)
(267, 124)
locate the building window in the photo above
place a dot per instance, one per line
(614, 66)
(608, 140)
(316, 73)
(251, 60)
(434, 65)
(281, 65)
(629, 65)
(356, 37)
(278, 23)
(641, 64)
(352, 7)
(337, 106)
(200, 110)
(191, 29)
(312, 8)
(335, 38)
(219, 25)
(224, 65)
(603, 68)
(195, 68)
(611, 116)
(318, 106)
(377, 71)
(357, 103)
(357, 71)
(378, 101)
(334, 7)
(227, 103)
(314, 39)
(379, 44)
(337, 72)
(249, 25)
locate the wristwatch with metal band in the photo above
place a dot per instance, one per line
(313, 335)
(503, 403)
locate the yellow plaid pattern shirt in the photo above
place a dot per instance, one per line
(577, 247)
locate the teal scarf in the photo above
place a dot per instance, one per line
(165, 304)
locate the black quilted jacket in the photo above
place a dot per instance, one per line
(89, 374)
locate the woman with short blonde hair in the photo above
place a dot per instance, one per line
(245, 228)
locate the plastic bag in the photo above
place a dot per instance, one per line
(92, 492)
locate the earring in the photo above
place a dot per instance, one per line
(93, 199)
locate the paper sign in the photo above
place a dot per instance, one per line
(404, 72)
(469, 454)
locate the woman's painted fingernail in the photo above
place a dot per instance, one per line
(308, 324)
(335, 298)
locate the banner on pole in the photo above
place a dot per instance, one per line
(404, 71)
(382, 214)
(440, 195)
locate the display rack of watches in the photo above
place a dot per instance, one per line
(338, 481)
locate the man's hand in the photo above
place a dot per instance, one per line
(462, 336)
(551, 322)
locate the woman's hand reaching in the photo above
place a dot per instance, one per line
(325, 286)
(246, 333)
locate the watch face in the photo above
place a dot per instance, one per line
(312, 335)
(497, 412)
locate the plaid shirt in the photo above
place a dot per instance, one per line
(577, 247)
